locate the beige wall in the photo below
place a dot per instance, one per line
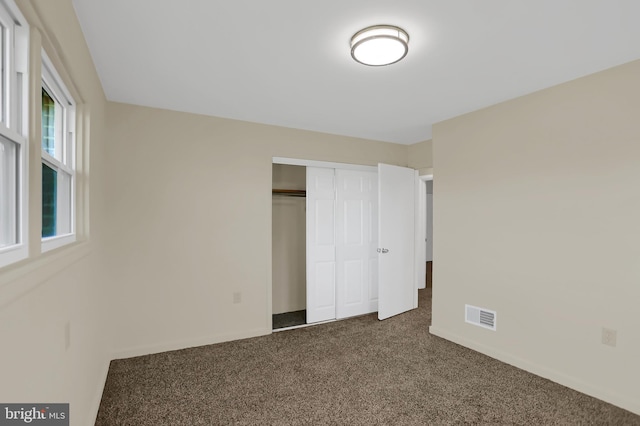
(40, 296)
(421, 157)
(285, 176)
(289, 266)
(179, 247)
(536, 207)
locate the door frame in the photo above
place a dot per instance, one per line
(305, 163)
(420, 207)
(421, 228)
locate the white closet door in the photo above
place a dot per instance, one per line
(356, 243)
(396, 200)
(321, 246)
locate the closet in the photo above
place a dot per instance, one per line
(342, 242)
(342, 259)
(288, 245)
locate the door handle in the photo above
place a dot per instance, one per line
(383, 250)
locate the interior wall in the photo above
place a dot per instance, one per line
(180, 250)
(420, 157)
(286, 176)
(537, 218)
(288, 242)
(43, 295)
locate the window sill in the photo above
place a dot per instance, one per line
(52, 243)
(13, 254)
(21, 278)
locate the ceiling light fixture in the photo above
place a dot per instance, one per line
(379, 45)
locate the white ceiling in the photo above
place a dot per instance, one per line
(288, 63)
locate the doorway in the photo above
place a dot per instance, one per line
(288, 243)
(429, 235)
(424, 232)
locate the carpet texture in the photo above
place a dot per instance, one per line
(359, 371)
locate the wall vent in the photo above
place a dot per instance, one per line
(480, 317)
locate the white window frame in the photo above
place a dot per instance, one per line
(55, 87)
(14, 122)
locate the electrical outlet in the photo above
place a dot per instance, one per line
(237, 297)
(67, 335)
(609, 337)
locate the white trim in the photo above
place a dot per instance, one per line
(415, 233)
(55, 82)
(54, 163)
(64, 162)
(22, 43)
(51, 243)
(12, 135)
(421, 229)
(14, 123)
(575, 383)
(13, 254)
(325, 164)
(7, 22)
(14, 10)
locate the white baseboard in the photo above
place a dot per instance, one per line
(188, 343)
(539, 370)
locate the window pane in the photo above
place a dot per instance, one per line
(8, 193)
(48, 124)
(49, 200)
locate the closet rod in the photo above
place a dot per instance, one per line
(290, 192)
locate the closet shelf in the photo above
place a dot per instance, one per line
(290, 192)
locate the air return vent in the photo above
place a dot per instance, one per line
(480, 317)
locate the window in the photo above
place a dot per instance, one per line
(14, 51)
(58, 160)
(9, 153)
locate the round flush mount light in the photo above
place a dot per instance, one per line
(379, 45)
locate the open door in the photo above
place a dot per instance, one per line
(397, 292)
(356, 243)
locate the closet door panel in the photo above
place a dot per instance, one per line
(356, 242)
(354, 282)
(321, 249)
(372, 235)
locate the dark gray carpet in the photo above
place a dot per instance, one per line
(289, 319)
(354, 372)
